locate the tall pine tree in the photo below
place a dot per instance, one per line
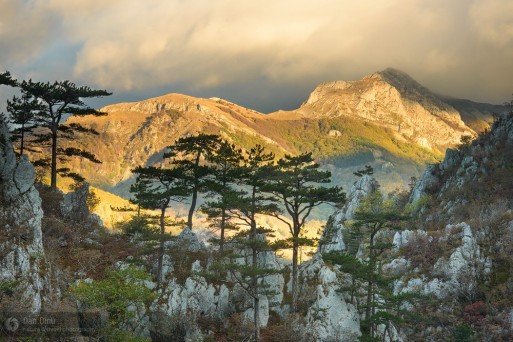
(155, 189)
(225, 168)
(296, 182)
(59, 101)
(250, 202)
(186, 155)
(374, 217)
(22, 111)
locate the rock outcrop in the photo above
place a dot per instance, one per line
(333, 236)
(459, 255)
(329, 317)
(455, 275)
(22, 256)
(75, 207)
(392, 99)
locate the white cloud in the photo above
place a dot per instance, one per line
(458, 47)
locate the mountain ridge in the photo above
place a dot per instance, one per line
(346, 124)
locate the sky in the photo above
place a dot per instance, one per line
(265, 55)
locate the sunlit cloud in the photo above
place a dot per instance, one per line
(461, 48)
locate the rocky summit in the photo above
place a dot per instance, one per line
(387, 120)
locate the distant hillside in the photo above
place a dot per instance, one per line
(386, 119)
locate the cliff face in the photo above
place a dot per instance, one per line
(394, 100)
(457, 247)
(22, 257)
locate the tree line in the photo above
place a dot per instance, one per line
(238, 185)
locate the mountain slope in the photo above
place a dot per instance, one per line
(391, 99)
(386, 119)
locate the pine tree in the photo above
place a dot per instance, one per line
(186, 155)
(296, 183)
(250, 202)
(58, 101)
(6, 79)
(22, 111)
(371, 219)
(369, 170)
(155, 188)
(225, 170)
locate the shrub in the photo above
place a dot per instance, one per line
(475, 313)
(116, 294)
(463, 333)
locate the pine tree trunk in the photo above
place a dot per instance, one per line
(22, 138)
(294, 276)
(194, 191)
(295, 264)
(254, 281)
(53, 170)
(192, 208)
(223, 223)
(256, 317)
(161, 244)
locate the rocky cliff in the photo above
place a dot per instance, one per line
(455, 252)
(393, 100)
(22, 257)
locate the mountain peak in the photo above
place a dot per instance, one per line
(402, 81)
(393, 99)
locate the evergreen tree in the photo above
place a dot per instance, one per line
(22, 111)
(296, 183)
(374, 217)
(58, 101)
(6, 79)
(369, 170)
(250, 202)
(155, 189)
(186, 155)
(225, 170)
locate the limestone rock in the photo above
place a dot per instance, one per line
(329, 318)
(74, 206)
(21, 248)
(263, 312)
(186, 240)
(427, 182)
(456, 275)
(333, 236)
(193, 299)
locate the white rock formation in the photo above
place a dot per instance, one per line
(333, 236)
(74, 207)
(453, 275)
(21, 246)
(329, 318)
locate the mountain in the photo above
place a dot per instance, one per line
(386, 119)
(393, 100)
(457, 249)
(445, 274)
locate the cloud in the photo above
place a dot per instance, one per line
(25, 31)
(458, 47)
